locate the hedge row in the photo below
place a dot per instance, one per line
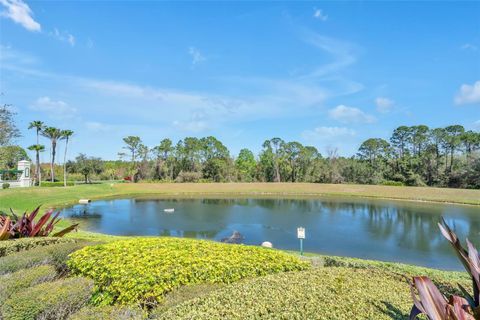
(319, 293)
(49, 300)
(55, 255)
(144, 269)
(14, 282)
(16, 245)
(109, 313)
(57, 184)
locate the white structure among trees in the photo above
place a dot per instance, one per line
(23, 176)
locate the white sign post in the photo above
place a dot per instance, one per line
(301, 236)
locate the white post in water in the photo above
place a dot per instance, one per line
(25, 179)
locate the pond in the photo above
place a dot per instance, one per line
(369, 229)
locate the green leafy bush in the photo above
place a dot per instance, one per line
(393, 183)
(5, 185)
(49, 300)
(144, 269)
(17, 245)
(14, 282)
(319, 293)
(55, 255)
(108, 313)
(57, 184)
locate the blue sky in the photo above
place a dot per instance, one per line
(327, 74)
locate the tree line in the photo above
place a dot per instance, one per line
(413, 155)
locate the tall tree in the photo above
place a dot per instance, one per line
(38, 125)
(246, 165)
(66, 134)
(8, 130)
(372, 149)
(132, 145)
(38, 172)
(54, 134)
(453, 140)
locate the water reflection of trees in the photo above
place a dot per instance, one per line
(209, 234)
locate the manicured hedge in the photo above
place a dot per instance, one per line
(55, 255)
(50, 300)
(16, 245)
(109, 313)
(57, 184)
(13, 282)
(319, 293)
(144, 269)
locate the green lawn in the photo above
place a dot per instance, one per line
(29, 198)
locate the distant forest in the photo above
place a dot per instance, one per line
(413, 156)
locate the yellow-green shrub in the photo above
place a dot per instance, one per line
(319, 293)
(14, 282)
(144, 269)
(49, 300)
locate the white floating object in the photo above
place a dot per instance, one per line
(267, 244)
(169, 210)
(84, 201)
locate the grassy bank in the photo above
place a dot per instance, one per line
(28, 198)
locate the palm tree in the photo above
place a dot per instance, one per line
(66, 134)
(38, 125)
(54, 134)
(37, 148)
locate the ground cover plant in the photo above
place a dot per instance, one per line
(145, 269)
(319, 293)
(55, 254)
(49, 300)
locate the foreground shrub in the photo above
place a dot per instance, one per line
(144, 269)
(428, 299)
(14, 282)
(108, 313)
(319, 293)
(49, 300)
(5, 185)
(17, 245)
(55, 255)
(27, 226)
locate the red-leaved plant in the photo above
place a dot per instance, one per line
(430, 301)
(28, 226)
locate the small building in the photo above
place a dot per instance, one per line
(22, 173)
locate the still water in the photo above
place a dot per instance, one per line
(369, 229)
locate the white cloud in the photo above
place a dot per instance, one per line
(343, 53)
(469, 46)
(20, 13)
(327, 133)
(197, 56)
(319, 14)
(64, 36)
(97, 126)
(191, 126)
(468, 94)
(384, 105)
(55, 109)
(346, 114)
